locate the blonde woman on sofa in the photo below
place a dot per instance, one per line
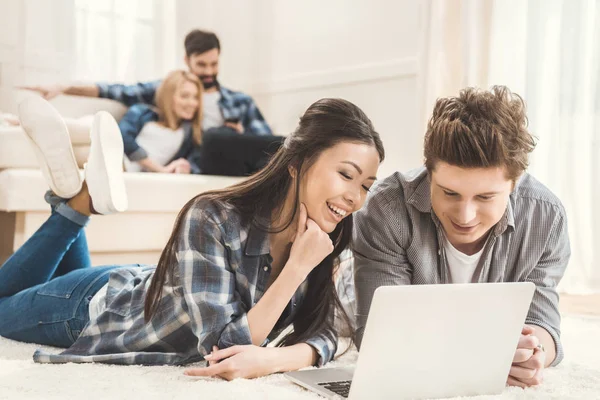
(242, 264)
(168, 137)
(160, 138)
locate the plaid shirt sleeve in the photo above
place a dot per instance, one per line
(131, 125)
(129, 95)
(254, 122)
(543, 311)
(380, 257)
(217, 314)
(325, 344)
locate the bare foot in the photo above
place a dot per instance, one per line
(81, 201)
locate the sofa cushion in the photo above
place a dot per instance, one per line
(16, 150)
(23, 190)
(78, 112)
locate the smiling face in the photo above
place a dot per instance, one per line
(185, 100)
(469, 202)
(205, 66)
(337, 184)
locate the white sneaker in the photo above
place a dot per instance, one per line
(104, 169)
(52, 144)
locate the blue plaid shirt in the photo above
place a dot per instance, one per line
(234, 105)
(222, 271)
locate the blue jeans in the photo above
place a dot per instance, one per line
(46, 286)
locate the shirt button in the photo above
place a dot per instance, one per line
(265, 268)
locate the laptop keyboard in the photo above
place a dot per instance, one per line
(341, 388)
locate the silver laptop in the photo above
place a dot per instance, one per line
(431, 341)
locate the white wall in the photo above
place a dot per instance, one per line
(289, 54)
(35, 41)
(39, 38)
(286, 54)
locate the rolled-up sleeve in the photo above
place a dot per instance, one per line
(325, 344)
(544, 311)
(218, 316)
(379, 256)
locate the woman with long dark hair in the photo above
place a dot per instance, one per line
(242, 264)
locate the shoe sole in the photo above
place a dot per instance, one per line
(104, 171)
(50, 138)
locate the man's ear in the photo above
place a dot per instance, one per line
(186, 60)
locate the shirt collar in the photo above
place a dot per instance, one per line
(257, 243)
(420, 198)
(507, 220)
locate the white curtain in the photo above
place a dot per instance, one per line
(453, 48)
(124, 41)
(548, 51)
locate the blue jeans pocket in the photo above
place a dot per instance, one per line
(63, 325)
(54, 313)
(62, 287)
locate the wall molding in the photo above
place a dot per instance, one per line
(343, 76)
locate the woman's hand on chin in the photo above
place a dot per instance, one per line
(246, 361)
(311, 244)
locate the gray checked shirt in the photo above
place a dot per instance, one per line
(223, 268)
(398, 241)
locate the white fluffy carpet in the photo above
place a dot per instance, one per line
(578, 377)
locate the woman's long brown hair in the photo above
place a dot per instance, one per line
(324, 124)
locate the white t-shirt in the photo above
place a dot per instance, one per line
(161, 144)
(462, 266)
(212, 116)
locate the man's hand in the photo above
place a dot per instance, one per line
(528, 363)
(237, 362)
(179, 166)
(238, 127)
(48, 92)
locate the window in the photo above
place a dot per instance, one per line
(121, 41)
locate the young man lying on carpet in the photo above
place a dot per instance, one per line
(242, 264)
(471, 214)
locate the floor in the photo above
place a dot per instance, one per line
(576, 378)
(582, 305)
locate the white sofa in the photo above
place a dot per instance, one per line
(136, 236)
